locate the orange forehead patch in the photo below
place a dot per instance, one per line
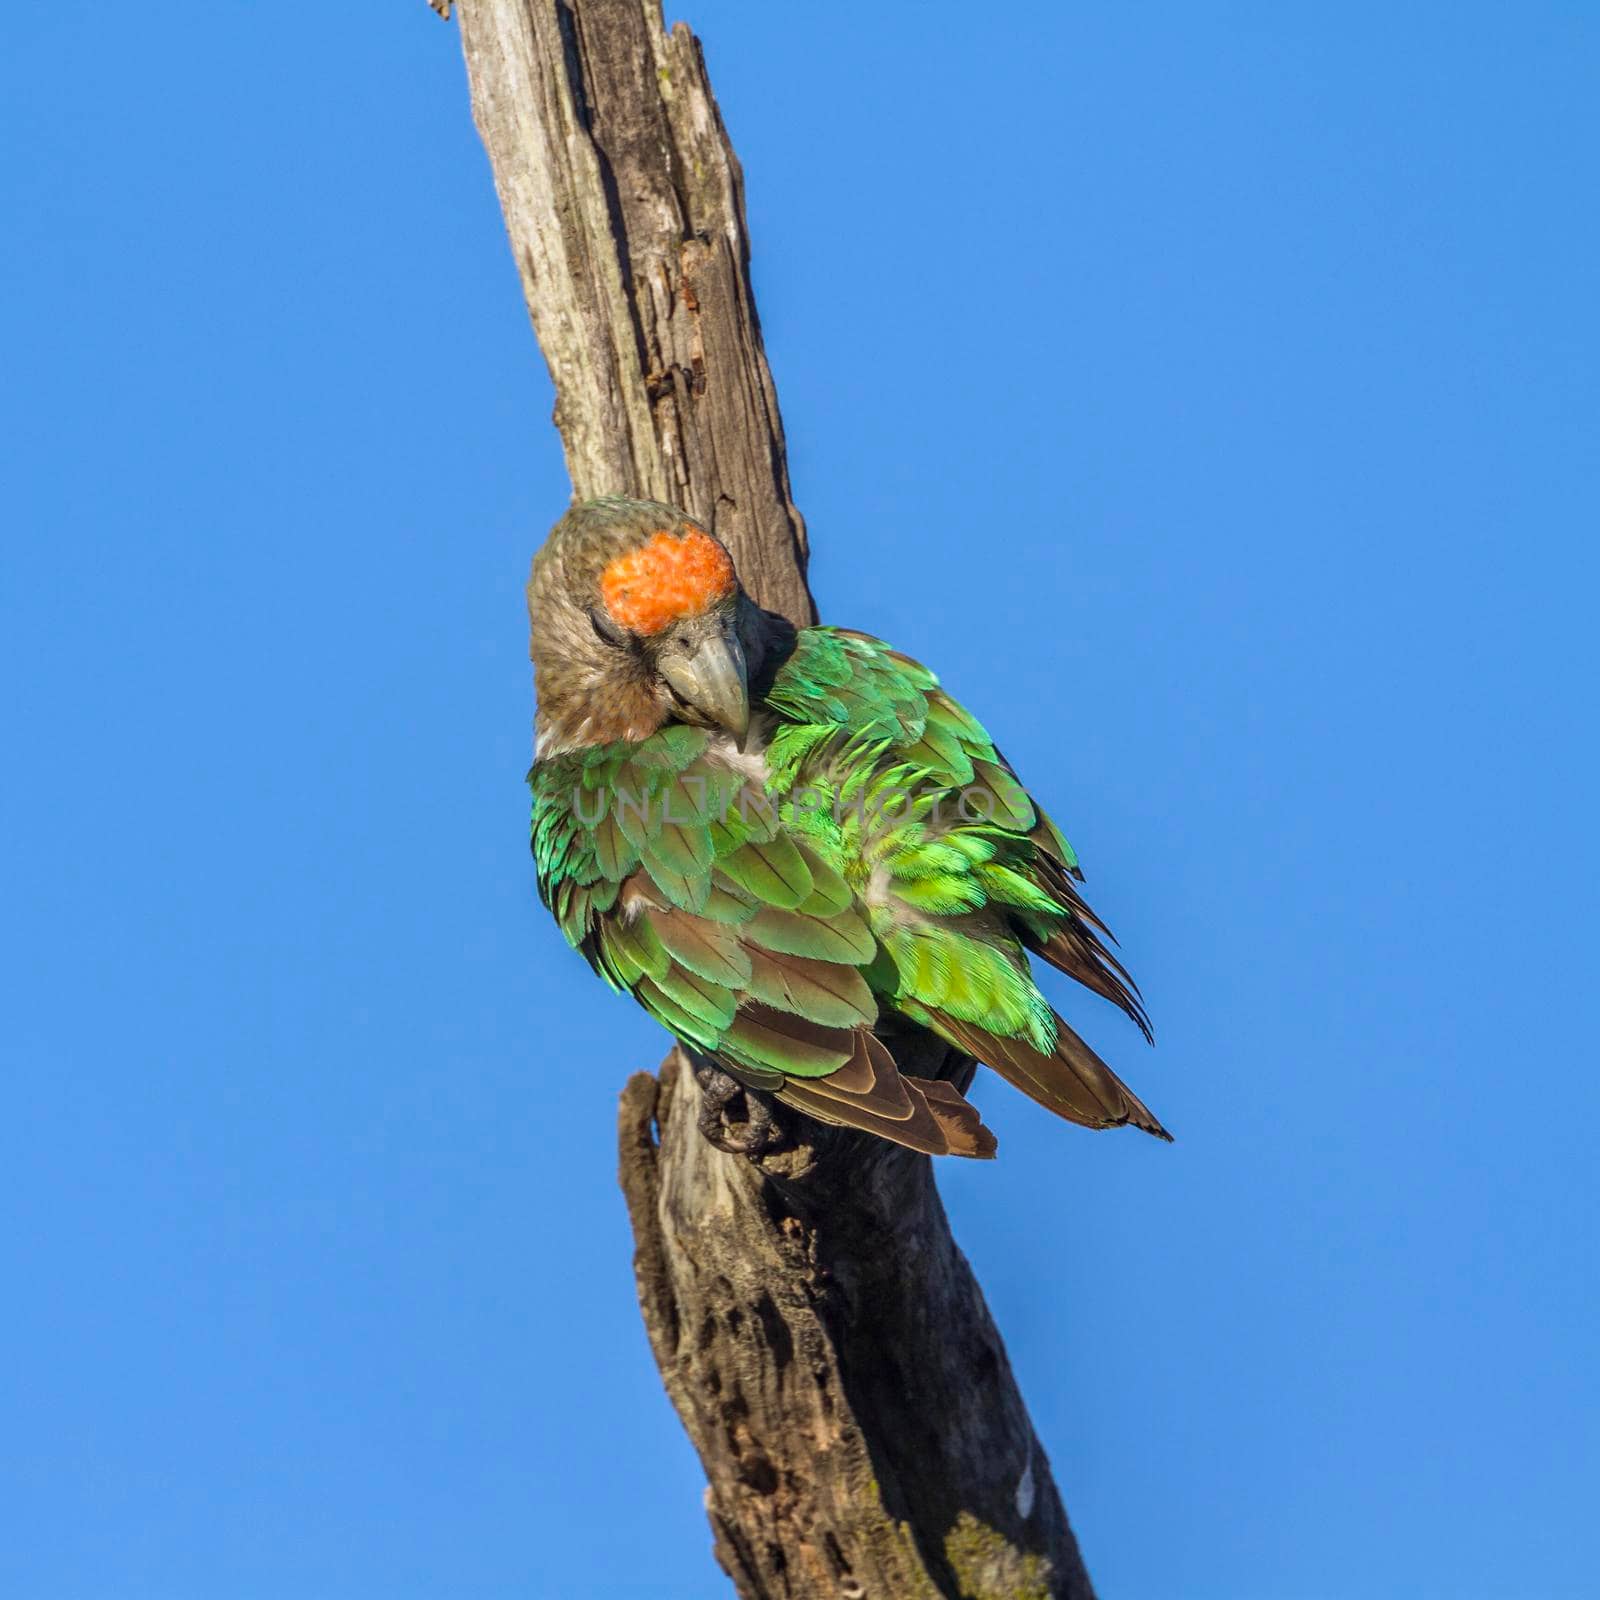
(666, 578)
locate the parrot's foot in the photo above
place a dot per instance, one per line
(751, 1135)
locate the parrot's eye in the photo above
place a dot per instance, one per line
(607, 630)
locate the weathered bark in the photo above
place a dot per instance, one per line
(820, 1334)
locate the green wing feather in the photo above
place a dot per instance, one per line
(729, 929)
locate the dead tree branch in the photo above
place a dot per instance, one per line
(820, 1334)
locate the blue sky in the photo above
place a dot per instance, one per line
(1209, 393)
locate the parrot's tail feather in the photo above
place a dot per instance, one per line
(1078, 951)
(870, 1093)
(963, 1125)
(1073, 1082)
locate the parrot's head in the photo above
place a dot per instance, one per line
(636, 619)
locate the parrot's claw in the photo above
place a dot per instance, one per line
(751, 1135)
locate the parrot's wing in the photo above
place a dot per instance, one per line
(968, 874)
(688, 891)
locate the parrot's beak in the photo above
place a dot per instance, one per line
(710, 678)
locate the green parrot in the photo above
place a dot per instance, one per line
(792, 846)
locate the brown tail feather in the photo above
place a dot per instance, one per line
(960, 1119)
(1078, 951)
(1073, 1082)
(870, 1093)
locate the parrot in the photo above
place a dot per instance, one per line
(795, 849)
